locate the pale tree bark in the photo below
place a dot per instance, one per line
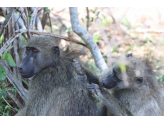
(33, 18)
(17, 17)
(87, 38)
(38, 21)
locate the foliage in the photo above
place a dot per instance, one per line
(96, 38)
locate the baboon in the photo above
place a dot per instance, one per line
(142, 95)
(57, 88)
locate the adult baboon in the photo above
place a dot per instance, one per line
(56, 88)
(141, 95)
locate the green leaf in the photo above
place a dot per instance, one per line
(16, 109)
(105, 22)
(96, 38)
(1, 108)
(10, 60)
(4, 57)
(7, 107)
(97, 14)
(16, 11)
(25, 82)
(1, 39)
(82, 19)
(2, 73)
(29, 12)
(5, 16)
(92, 11)
(7, 49)
(126, 22)
(87, 17)
(47, 10)
(92, 19)
(29, 18)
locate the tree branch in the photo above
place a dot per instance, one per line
(20, 31)
(33, 18)
(88, 39)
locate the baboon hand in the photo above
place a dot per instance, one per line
(77, 67)
(94, 89)
(80, 74)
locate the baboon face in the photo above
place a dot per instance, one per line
(134, 72)
(39, 54)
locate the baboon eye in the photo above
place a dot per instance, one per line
(28, 48)
(35, 50)
(140, 79)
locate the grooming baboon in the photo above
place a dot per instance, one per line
(141, 95)
(109, 105)
(56, 88)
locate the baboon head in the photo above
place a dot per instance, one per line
(40, 53)
(135, 71)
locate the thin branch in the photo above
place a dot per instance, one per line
(50, 22)
(33, 18)
(39, 12)
(87, 18)
(15, 99)
(58, 36)
(87, 38)
(23, 15)
(7, 20)
(108, 47)
(20, 31)
(28, 34)
(7, 102)
(44, 19)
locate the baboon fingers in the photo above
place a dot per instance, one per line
(77, 67)
(93, 88)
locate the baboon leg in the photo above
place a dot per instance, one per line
(113, 105)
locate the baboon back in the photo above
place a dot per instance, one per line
(60, 94)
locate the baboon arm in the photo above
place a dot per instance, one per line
(113, 105)
(92, 77)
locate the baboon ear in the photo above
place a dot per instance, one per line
(56, 51)
(129, 55)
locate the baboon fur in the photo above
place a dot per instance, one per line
(142, 96)
(56, 89)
